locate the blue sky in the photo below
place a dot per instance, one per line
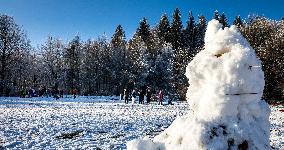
(91, 18)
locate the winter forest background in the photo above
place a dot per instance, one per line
(155, 56)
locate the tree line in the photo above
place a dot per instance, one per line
(153, 57)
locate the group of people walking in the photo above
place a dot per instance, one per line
(142, 96)
(46, 92)
(42, 92)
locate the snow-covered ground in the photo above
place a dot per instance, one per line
(92, 122)
(277, 127)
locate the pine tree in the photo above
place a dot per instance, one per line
(164, 29)
(176, 30)
(177, 40)
(216, 15)
(118, 40)
(138, 62)
(200, 32)
(238, 21)
(156, 77)
(144, 30)
(161, 71)
(179, 81)
(189, 35)
(118, 46)
(106, 67)
(223, 20)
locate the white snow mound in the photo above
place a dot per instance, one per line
(226, 85)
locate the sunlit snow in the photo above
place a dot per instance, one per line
(86, 122)
(100, 122)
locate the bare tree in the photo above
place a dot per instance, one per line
(12, 39)
(52, 58)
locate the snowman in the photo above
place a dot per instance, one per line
(226, 110)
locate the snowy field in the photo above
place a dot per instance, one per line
(92, 122)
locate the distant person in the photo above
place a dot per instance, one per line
(40, 92)
(61, 93)
(141, 97)
(161, 97)
(133, 96)
(55, 93)
(34, 93)
(30, 92)
(170, 99)
(74, 93)
(148, 95)
(49, 92)
(45, 92)
(125, 95)
(121, 96)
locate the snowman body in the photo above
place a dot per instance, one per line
(226, 110)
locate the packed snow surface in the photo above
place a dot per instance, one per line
(81, 123)
(226, 110)
(96, 122)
